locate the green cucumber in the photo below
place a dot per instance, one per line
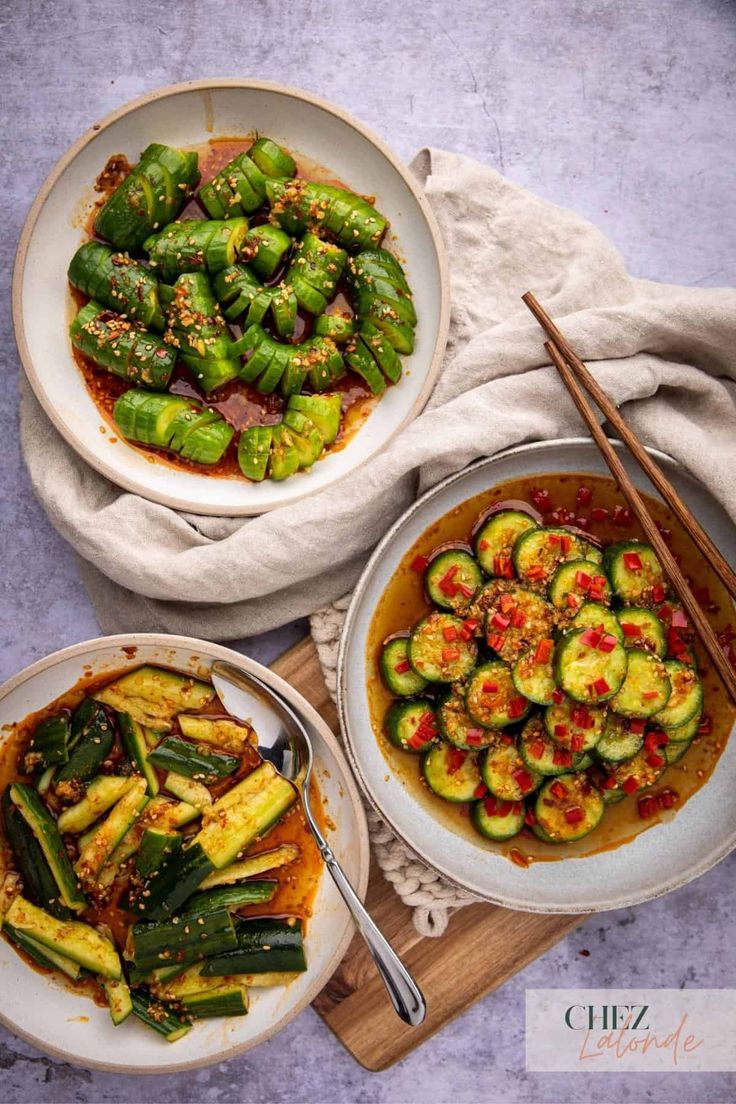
(47, 835)
(542, 754)
(506, 774)
(104, 839)
(223, 732)
(642, 628)
(101, 794)
(153, 695)
(200, 763)
(496, 538)
(119, 1000)
(254, 450)
(618, 742)
(158, 1016)
(458, 727)
(41, 955)
(93, 746)
(516, 620)
(396, 670)
(265, 945)
(39, 881)
(188, 789)
(284, 458)
(491, 698)
(586, 671)
(568, 808)
(411, 725)
(151, 195)
(155, 847)
(324, 410)
(497, 820)
(575, 726)
(117, 282)
(636, 574)
(538, 553)
(592, 615)
(134, 742)
(452, 579)
(686, 698)
(534, 676)
(575, 582)
(646, 688)
(71, 938)
(451, 774)
(50, 744)
(435, 658)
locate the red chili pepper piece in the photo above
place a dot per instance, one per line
(466, 591)
(480, 790)
(507, 602)
(450, 633)
(591, 638)
(503, 808)
(574, 815)
(474, 737)
(503, 566)
(630, 785)
(517, 807)
(608, 643)
(530, 818)
(402, 667)
(580, 717)
(558, 790)
(655, 760)
(655, 739)
(572, 601)
(679, 619)
(536, 572)
(500, 621)
(518, 619)
(658, 593)
(496, 641)
(537, 748)
(455, 759)
(630, 629)
(583, 579)
(561, 731)
(667, 799)
(419, 563)
(483, 545)
(600, 686)
(664, 613)
(647, 807)
(650, 695)
(516, 707)
(608, 782)
(637, 726)
(507, 739)
(544, 651)
(490, 687)
(622, 515)
(523, 779)
(541, 499)
(577, 742)
(632, 561)
(558, 696)
(490, 805)
(450, 654)
(418, 739)
(561, 757)
(565, 544)
(705, 728)
(470, 624)
(584, 496)
(599, 513)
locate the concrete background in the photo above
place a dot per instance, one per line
(622, 110)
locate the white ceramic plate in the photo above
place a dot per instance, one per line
(188, 115)
(657, 861)
(69, 1026)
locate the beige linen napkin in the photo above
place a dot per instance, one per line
(150, 568)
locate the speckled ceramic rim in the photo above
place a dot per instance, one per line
(67, 432)
(661, 890)
(213, 651)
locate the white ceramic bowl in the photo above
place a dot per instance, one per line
(659, 860)
(69, 1026)
(188, 115)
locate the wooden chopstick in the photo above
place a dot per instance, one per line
(635, 501)
(701, 539)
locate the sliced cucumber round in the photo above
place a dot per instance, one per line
(458, 727)
(498, 820)
(674, 752)
(491, 698)
(397, 672)
(635, 572)
(542, 754)
(437, 651)
(642, 629)
(618, 741)
(517, 620)
(450, 773)
(574, 583)
(506, 774)
(568, 808)
(646, 688)
(642, 770)
(686, 698)
(533, 676)
(684, 733)
(452, 579)
(575, 726)
(412, 725)
(590, 671)
(496, 538)
(538, 553)
(592, 615)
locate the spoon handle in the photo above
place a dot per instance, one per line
(405, 994)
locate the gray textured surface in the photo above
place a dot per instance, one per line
(622, 110)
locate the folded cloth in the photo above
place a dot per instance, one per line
(668, 352)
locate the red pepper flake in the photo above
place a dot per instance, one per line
(599, 513)
(591, 637)
(474, 737)
(402, 667)
(565, 544)
(572, 600)
(655, 739)
(480, 790)
(558, 696)
(446, 584)
(518, 619)
(490, 687)
(537, 748)
(536, 572)
(647, 807)
(600, 686)
(630, 630)
(583, 579)
(622, 515)
(632, 561)
(517, 707)
(608, 643)
(466, 591)
(490, 805)
(483, 545)
(541, 499)
(507, 602)
(650, 695)
(580, 716)
(450, 633)
(500, 621)
(577, 742)
(574, 815)
(419, 563)
(637, 726)
(523, 779)
(664, 613)
(530, 818)
(503, 808)
(450, 654)
(608, 782)
(655, 760)
(418, 739)
(503, 566)
(558, 790)
(561, 732)
(544, 651)
(584, 497)
(658, 593)
(455, 759)
(561, 757)
(675, 644)
(630, 785)
(507, 739)
(496, 641)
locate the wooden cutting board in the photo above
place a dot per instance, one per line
(497, 941)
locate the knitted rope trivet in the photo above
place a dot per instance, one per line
(429, 897)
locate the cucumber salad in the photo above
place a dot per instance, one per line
(128, 854)
(552, 678)
(278, 291)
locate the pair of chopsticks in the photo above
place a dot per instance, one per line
(578, 380)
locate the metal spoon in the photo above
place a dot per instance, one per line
(284, 741)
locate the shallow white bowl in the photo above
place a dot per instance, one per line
(70, 1026)
(659, 860)
(188, 115)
